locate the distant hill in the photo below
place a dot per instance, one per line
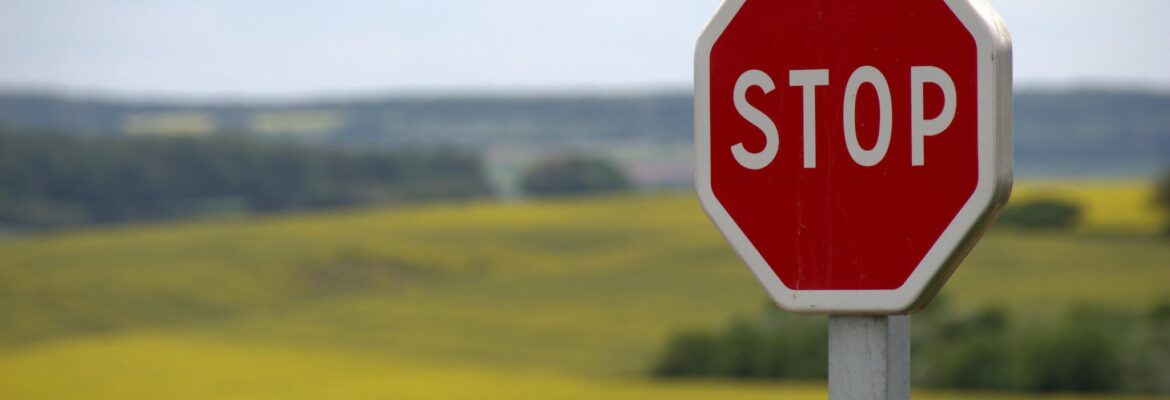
(1092, 132)
(1059, 133)
(49, 180)
(458, 121)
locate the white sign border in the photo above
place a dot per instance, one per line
(993, 45)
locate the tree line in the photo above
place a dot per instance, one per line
(50, 180)
(1090, 349)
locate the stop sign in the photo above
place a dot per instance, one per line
(852, 152)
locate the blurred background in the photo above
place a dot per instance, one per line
(461, 199)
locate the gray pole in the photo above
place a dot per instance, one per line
(869, 357)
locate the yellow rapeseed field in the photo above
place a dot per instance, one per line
(154, 366)
(563, 299)
(1114, 206)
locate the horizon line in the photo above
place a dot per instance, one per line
(473, 92)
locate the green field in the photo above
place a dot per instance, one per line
(566, 299)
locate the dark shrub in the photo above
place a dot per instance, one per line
(688, 354)
(795, 346)
(775, 345)
(572, 174)
(1147, 365)
(962, 351)
(1042, 214)
(740, 351)
(1162, 198)
(1081, 355)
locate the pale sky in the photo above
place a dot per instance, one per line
(251, 48)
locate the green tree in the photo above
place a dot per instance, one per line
(775, 344)
(52, 180)
(688, 354)
(1042, 214)
(962, 350)
(573, 174)
(1083, 354)
(1162, 198)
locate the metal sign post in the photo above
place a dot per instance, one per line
(869, 357)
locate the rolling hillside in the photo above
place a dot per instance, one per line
(562, 299)
(1058, 133)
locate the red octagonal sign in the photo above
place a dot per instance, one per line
(853, 152)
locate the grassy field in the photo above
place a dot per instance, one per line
(565, 299)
